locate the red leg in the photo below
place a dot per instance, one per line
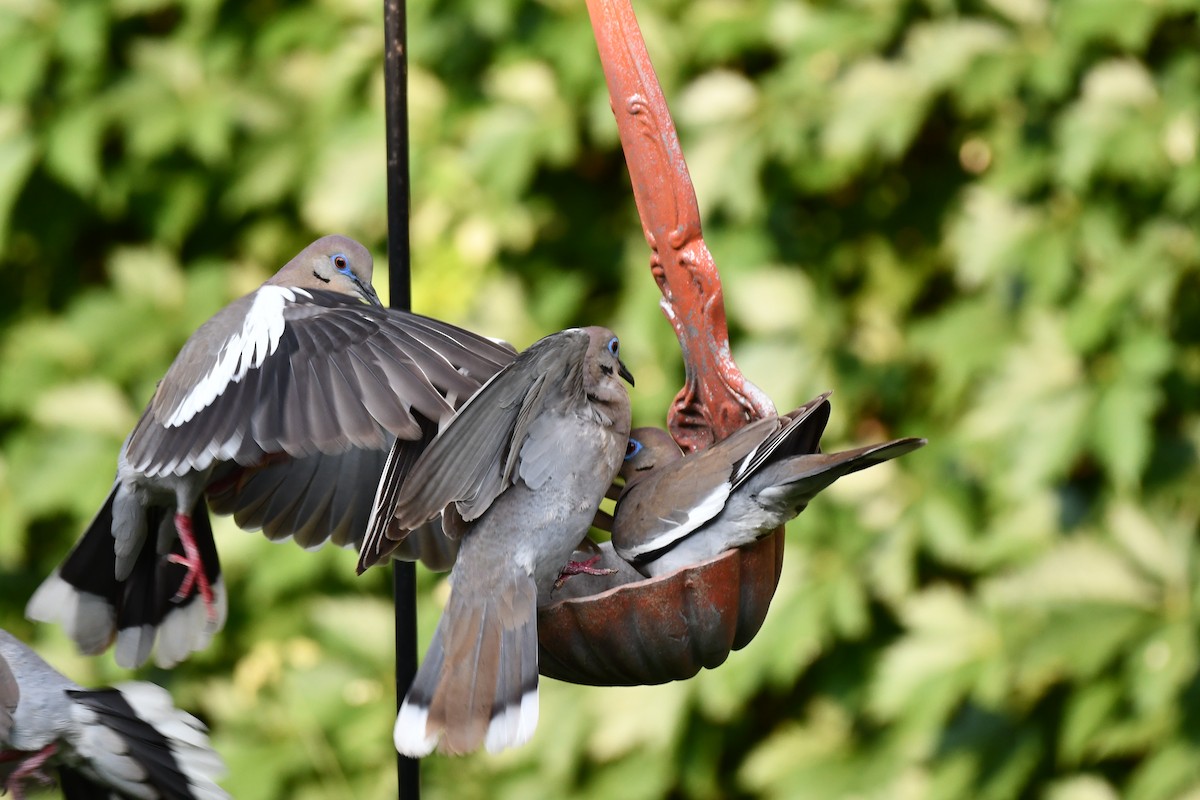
(195, 565)
(581, 568)
(30, 768)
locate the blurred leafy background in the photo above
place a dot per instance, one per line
(974, 220)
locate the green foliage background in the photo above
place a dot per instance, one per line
(975, 221)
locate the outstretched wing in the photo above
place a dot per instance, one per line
(300, 372)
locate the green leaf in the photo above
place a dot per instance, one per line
(18, 150)
(1091, 707)
(877, 104)
(935, 664)
(1073, 572)
(1081, 787)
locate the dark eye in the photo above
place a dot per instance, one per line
(613, 346)
(633, 448)
(340, 262)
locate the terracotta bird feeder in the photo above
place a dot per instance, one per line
(668, 628)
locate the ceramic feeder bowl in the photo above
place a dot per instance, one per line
(662, 629)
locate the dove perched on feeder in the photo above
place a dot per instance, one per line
(520, 471)
(129, 741)
(677, 510)
(281, 408)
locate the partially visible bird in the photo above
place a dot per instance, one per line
(677, 510)
(281, 409)
(520, 472)
(129, 741)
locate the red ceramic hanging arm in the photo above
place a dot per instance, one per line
(716, 399)
(668, 628)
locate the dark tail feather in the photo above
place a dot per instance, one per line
(96, 609)
(150, 615)
(91, 565)
(163, 749)
(478, 684)
(83, 593)
(75, 786)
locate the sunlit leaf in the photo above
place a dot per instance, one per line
(1076, 571)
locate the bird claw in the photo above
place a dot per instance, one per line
(581, 568)
(31, 768)
(196, 576)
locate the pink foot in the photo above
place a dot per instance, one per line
(31, 768)
(195, 567)
(581, 568)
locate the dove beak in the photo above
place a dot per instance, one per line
(368, 292)
(624, 372)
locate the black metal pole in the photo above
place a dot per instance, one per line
(404, 577)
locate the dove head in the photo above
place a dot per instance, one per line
(648, 449)
(602, 374)
(604, 360)
(333, 263)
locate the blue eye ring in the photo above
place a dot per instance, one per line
(614, 346)
(340, 263)
(632, 449)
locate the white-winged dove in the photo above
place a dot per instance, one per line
(129, 741)
(520, 471)
(676, 510)
(281, 408)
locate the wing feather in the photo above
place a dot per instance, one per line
(800, 435)
(679, 497)
(10, 694)
(475, 455)
(306, 372)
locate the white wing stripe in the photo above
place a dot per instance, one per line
(744, 464)
(261, 331)
(708, 507)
